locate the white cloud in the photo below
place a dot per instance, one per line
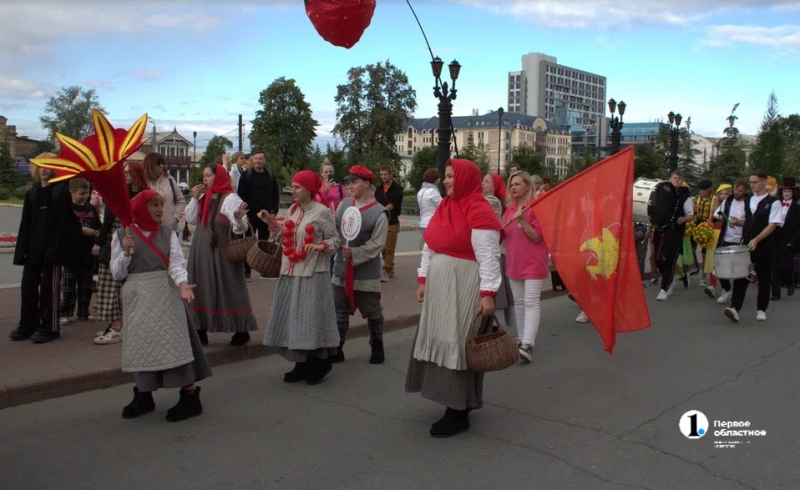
(97, 83)
(15, 88)
(147, 74)
(774, 37)
(616, 14)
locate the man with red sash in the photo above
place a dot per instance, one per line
(357, 267)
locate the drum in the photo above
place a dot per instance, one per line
(642, 189)
(732, 262)
(663, 205)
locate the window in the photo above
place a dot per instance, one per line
(171, 151)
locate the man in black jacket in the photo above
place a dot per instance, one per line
(258, 187)
(390, 195)
(787, 239)
(48, 234)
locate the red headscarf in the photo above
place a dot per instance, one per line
(311, 182)
(450, 229)
(221, 185)
(139, 212)
(499, 190)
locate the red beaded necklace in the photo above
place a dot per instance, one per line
(290, 239)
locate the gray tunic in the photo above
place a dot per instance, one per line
(221, 299)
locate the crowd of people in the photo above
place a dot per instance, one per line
(482, 251)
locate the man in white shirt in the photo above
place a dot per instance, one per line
(762, 215)
(669, 243)
(731, 212)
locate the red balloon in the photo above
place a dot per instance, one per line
(340, 22)
(289, 224)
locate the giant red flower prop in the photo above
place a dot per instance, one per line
(95, 159)
(340, 22)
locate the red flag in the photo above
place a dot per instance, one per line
(587, 222)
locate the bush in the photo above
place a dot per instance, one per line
(5, 194)
(20, 192)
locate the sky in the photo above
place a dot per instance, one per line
(196, 65)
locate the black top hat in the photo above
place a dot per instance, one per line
(704, 184)
(789, 183)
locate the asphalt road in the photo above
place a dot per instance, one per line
(576, 418)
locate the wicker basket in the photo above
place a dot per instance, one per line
(239, 247)
(493, 351)
(265, 257)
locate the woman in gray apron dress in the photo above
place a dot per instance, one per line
(160, 345)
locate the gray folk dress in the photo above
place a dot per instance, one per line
(221, 298)
(302, 322)
(452, 296)
(148, 341)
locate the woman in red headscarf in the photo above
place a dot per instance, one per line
(302, 323)
(221, 303)
(494, 190)
(459, 274)
(160, 344)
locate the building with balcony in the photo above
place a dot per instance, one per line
(555, 142)
(176, 150)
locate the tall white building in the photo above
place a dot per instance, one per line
(556, 92)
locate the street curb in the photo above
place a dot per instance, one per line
(218, 355)
(9, 205)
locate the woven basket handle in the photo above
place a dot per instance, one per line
(477, 322)
(249, 224)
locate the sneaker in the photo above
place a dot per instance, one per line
(702, 283)
(110, 336)
(391, 273)
(725, 298)
(63, 321)
(247, 277)
(582, 318)
(44, 336)
(525, 353)
(761, 316)
(710, 292)
(654, 280)
(732, 314)
(671, 288)
(662, 295)
(385, 277)
(89, 318)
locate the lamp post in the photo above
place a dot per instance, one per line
(674, 135)
(194, 147)
(446, 96)
(153, 141)
(616, 124)
(499, 137)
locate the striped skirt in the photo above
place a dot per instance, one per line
(451, 301)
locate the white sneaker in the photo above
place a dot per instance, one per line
(725, 298)
(761, 316)
(582, 318)
(662, 295)
(654, 280)
(702, 283)
(671, 288)
(525, 353)
(732, 314)
(710, 292)
(63, 321)
(110, 336)
(385, 277)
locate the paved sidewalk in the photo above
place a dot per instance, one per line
(73, 364)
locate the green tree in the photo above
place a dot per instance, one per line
(730, 162)
(69, 112)
(217, 147)
(424, 159)
(769, 154)
(476, 154)
(9, 177)
(372, 108)
(791, 132)
(337, 157)
(284, 128)
(648, 163)
(529, 160)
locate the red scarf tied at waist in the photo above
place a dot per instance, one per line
(450, 229)
(221, 185)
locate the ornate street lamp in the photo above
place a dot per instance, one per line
(499, 136)
(616, 124)
(674, 139)
(446, 96)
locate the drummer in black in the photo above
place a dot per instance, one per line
(787, 239)
(762, 216)
(732, 214)
(668, 241)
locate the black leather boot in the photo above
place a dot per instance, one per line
(317, 370)
(203, 334)
(188, 406)
(296, 374)
(339, 356)
(240, 338)
(377, 356)
(142, 403)
(453, 422)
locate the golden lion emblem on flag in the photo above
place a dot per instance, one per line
(603, 254)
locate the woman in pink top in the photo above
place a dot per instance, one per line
(331, 189)
(526, 261)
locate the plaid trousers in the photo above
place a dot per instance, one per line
(76, 283)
